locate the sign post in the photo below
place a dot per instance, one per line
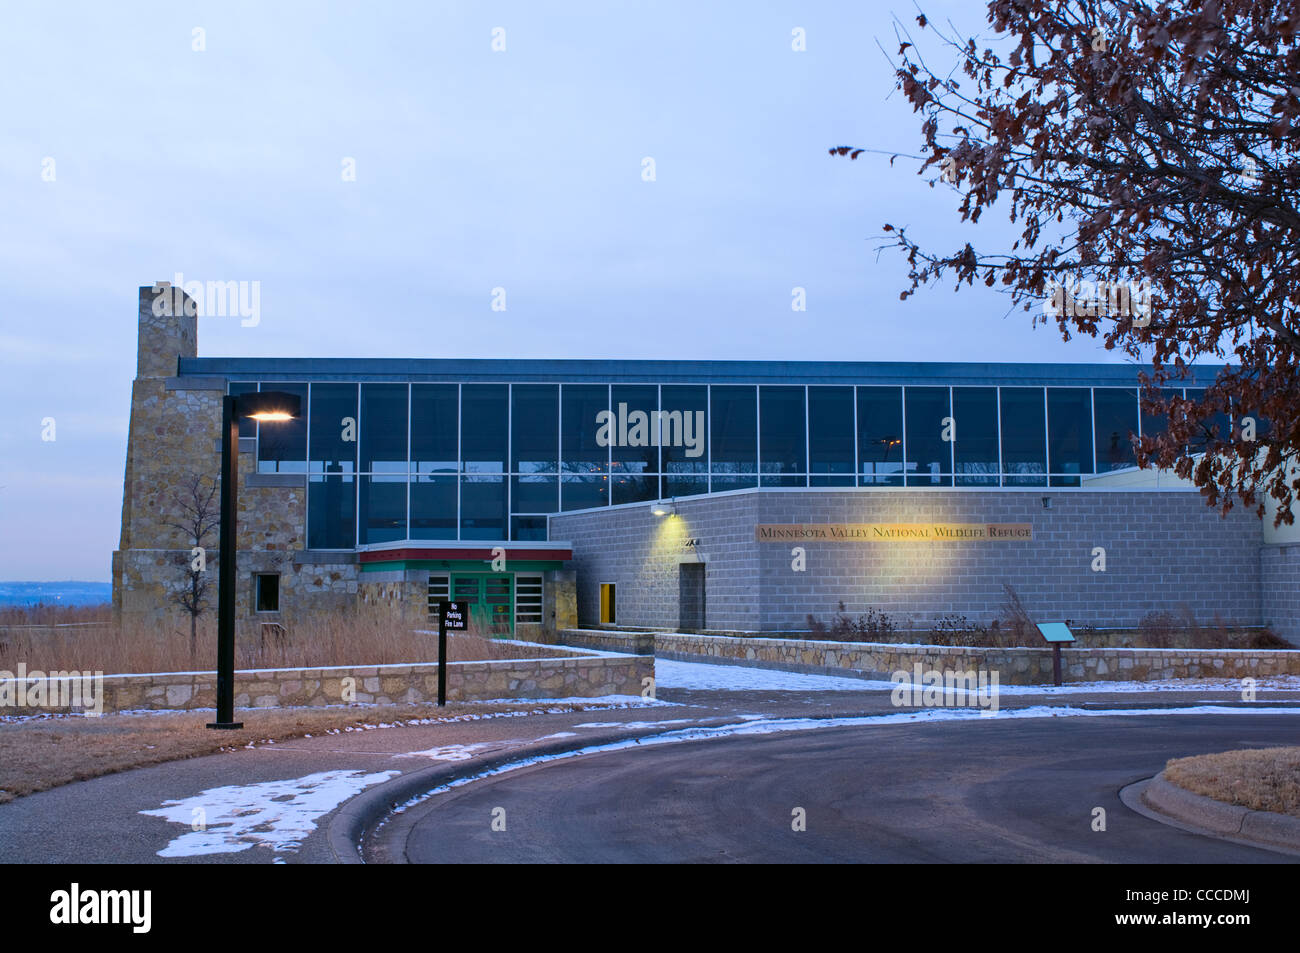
(1056, 633)
(451, 615)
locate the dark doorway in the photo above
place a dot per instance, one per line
(690, 596)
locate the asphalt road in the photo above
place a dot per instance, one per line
(1005, 791)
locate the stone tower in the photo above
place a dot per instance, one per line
(172, 438)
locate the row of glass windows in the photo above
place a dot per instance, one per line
(478, 461)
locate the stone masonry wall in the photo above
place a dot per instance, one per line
(174, 437)
(578, 677)
(1014, 666)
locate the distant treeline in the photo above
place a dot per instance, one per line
(43, 614)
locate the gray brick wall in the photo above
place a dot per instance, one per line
(1280, 584)
(1164, 551)
(640, 552)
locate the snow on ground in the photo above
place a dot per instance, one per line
(738, 678)
(274, 814)
(636, 724)
(448, 752)
(608, 701)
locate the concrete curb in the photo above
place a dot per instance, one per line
(1204, 814)
(357, 816)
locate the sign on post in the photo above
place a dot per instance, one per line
(1056, 634)
(451, 615)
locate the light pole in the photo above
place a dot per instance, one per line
(265, 407)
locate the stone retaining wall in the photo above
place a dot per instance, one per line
(1019, 666)
(584, 677)
(633, 643)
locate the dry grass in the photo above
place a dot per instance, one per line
(42, 753)
(364, 636)
(1261, 779)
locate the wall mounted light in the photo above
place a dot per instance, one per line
(664, 507)
(1047, 502)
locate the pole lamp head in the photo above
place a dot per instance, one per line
(269, 406)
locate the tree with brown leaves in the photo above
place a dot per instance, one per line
(1140, 145)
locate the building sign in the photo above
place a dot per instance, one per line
(892, 532)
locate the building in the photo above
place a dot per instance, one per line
(685, 494)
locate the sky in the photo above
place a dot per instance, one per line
(128, 155)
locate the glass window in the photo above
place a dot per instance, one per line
(929, 455)
(331, 511)
(383, 508)
(483, 505)
(975, 413)
(684, 484)
(880, 435)
(483, 433)
(844, 479)
(434, 428)
(721, 482)
(1219, 425)
(535, 493)
(1154, 424)
(634, 487)
(583, 492)
(830, 430)
(383, 428)
(734, 420)
(783, 447)
(1024, 436)
(583, 444)
(535, 429)
(433, 507)
(247, 425)
(1115, 416)
(685, 429)
(282, 446)
(334, 429)
(1069, 434)
(635, 437)
(528, 528)
(267, 591)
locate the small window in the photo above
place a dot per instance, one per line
(607, 603)
(439, 589)
(266, 592)
(528, 599)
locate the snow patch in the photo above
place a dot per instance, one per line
(274, 814)
(448, 752)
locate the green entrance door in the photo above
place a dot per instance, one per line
(491, 599)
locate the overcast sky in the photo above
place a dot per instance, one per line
(475, 169)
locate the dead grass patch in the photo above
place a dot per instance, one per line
(1261, 779)
(41, 753)
(365, 635)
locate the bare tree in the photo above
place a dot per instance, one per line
(199, 516)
